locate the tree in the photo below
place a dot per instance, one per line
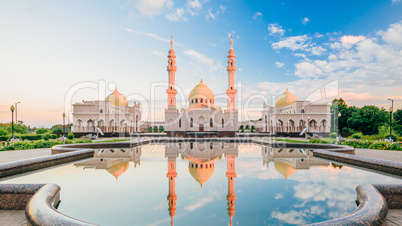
(397, 121)
(339, 106)
(368, 119)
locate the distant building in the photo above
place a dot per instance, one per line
(291, 115)
(202, 115)
(111, 115)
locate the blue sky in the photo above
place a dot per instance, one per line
(48, 48)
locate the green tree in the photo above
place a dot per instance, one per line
(368, 119)
(397, 121)
(339, 106)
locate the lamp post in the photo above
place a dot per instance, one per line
(16, 115)
(339, 132)
(308, 125)
(391, 109)
(94, 124)
(12, 121)
(64, 127)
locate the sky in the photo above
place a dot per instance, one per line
(54, 53)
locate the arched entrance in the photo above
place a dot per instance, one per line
(201, 122)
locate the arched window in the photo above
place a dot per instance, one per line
(101, 111)
(179, 123)
(191, 122)
(196, 101)
(211, 146)
(202, 100)
(191, 146)
(192, 100)
(223, 123)
(211, 123)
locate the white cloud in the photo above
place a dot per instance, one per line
(305, 20)
(395, 1)
(318, 35)
(152, 35)
(178, 15)
(199, 57)
(257, 16)
(214, 16)
(352, 39)
(275, 29)
(278, 196)
(293, 43)
(307, 70)
(194, 4)
(301, 42)
(150, 8)
(279, 64)
(393, 35)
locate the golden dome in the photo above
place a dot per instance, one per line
(285, 99)
(117, 99)
(201, 91)
(201, 172)
(118, 169)
(285, 169)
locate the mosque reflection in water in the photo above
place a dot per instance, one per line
(201, 157)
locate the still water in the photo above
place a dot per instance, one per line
(205, 184)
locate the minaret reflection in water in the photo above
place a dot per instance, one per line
(201, 157)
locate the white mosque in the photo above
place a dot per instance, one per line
(202, 115)
(288, 115)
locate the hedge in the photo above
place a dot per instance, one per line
(23, 145)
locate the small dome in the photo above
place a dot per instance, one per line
(285, 99)
(201, 91)
(118, 169)
(285, 169)
(201, 172)
(117, 99)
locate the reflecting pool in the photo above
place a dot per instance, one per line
(205, 183)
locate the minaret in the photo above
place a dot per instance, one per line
(172, 197)
(171, 68)
(231, 69)
(231, 196)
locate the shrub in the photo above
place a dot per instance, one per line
(399, 138)
(379, 145)
(42, 131)
(5, 138)
(30, 137)
(46, 136)
(357, 135)
(317, 141)
(333, 135)
(70, 135)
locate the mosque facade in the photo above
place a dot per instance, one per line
(112, 115)
(290, 115)
(202, 115)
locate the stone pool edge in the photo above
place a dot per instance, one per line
(366, 193)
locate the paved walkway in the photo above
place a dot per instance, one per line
(395, 156)
(11, 156)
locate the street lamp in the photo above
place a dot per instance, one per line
(391, 109)
(339, 132)
(94, 124)
(16, 116)
(64, 127)
(308, 125)
(12, 121)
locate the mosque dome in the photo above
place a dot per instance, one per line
(201, 91)
(117, 99)
(285, 169)
(201, 172)
(285, 99)
(118, 169)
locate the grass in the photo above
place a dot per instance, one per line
(290, 141)
(115, 140)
